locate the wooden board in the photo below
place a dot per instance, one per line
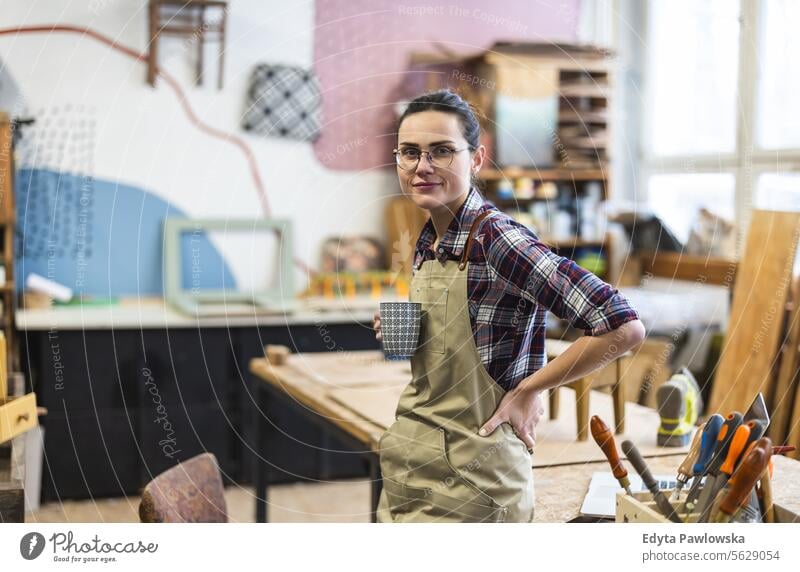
(345, 369)
(781, 399)
(759, 296)
(793, 431)
(556, 440)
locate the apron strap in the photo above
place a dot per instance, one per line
(465, 254)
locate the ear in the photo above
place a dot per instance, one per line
(478, 157)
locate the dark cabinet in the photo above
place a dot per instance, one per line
(125, 405)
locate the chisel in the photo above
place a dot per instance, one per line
(750, 471)
(639, 464)
(707, 443)
(685, 469)
(732, 423)
(605, 439)
(735, 450)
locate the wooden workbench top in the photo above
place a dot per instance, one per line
(321, 381)
(359, 391)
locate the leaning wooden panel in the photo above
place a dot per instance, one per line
(782, 397)
(759, 297)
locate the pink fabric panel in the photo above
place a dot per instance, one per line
(361, 52)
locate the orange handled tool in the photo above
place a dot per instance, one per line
(685, 471)
(605, 439)
(748, 473)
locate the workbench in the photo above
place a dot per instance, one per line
(353, 396)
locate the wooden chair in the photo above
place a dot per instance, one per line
(611, 376)
(188, 492)
(186, 19)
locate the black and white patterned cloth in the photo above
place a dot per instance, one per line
(283, 101)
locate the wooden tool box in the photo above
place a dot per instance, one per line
(17, 414)
(641, 508)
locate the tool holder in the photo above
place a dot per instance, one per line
(641, 508)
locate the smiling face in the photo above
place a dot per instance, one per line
(434, 187)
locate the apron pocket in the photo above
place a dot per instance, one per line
(479, 493)
(434, 319)
(415, 504)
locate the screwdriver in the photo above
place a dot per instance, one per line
(707, 443)
(685, 469)
(750, 471)
(732, 423)
(605, 439)
(639, 464)
(737, 446)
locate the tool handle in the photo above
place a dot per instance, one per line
(735, 450)
(707, 442)
(605, 439)
(635, 459)
(726, 433)
(783, 449)
(747, 474)
(685, 469)
(766, 493)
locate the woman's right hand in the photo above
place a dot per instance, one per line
(376, 325)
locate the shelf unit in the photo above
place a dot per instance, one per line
(514, 84)
(7, 220)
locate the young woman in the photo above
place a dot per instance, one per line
(460, 448)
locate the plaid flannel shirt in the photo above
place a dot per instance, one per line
(513, 280)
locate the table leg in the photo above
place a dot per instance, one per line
(259, 466)
(582, 404)
(618, 394)
(376, 485)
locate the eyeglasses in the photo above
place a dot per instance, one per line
(440, 156)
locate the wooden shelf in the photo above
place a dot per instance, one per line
(543, 174)
(573, 243)
(575, 116)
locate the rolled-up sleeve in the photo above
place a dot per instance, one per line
(532, 271)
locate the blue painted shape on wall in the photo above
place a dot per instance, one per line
(100, 238)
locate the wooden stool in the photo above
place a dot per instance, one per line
(187, 19)
(582, 388)
(190, 491)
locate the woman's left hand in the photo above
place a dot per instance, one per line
(520, 407)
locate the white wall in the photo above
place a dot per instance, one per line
(144, 138)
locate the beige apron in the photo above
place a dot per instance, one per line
(435, 466)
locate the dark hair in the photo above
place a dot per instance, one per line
(449, 102)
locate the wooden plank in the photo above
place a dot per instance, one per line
(781, 398)
(793, 431)
(759, 296)
(310, 394)
(679, 266)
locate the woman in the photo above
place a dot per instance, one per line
(460, 448)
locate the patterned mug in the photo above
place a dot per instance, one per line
(400, 323)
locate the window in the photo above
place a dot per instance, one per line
(778, 125)
(693, 59)
(671, 196)
(720, 119)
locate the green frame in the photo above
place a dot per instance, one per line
(276, 299)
